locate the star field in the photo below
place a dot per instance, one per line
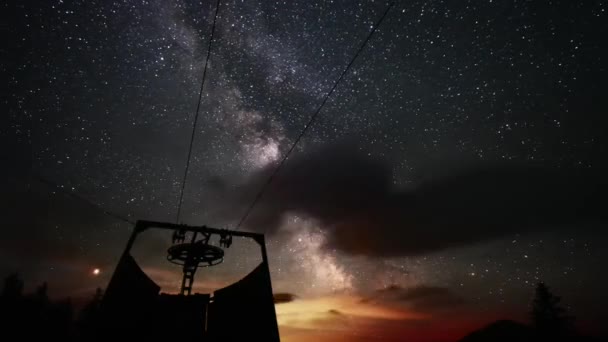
(100, 97)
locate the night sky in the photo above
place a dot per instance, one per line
(458, 163)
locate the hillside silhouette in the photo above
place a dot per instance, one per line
(502, 331)
(549, 322)
(34, 316)
(511, 331)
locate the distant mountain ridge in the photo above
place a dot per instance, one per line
(511, 331)
(502, 331)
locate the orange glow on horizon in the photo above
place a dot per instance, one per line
(306, 310)
(349, 318)
(335, 318)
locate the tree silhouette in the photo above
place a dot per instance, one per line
(13, 287)
(33, 316)
(41, 297)
(548, 317)
(89, 318)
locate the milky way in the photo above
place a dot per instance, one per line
(100, 97)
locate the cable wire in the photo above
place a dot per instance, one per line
(82, 199)
(198, 106)
(311, 121)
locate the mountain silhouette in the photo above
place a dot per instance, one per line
(511, 331)
(502, 331)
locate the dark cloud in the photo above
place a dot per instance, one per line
(284, 297)
(353, 197)
(335, 312)
(420, 298)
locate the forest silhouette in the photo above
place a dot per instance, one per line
(34, 316)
